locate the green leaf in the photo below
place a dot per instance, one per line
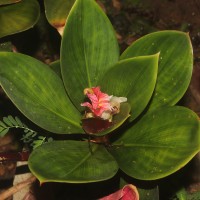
(3, 131)
(2, 125)
(38, 93)
(72, 162)
(12, 120)
(162, 142)
(28, 134)
(175, 66)
(89, 48)
(57, 11)
(26, 131)
(55, 66)
(6, 46)
(19, 122)
(7, 121)
(133, 78)
(33, 134)
(4, 2)
(149, 194)
(18, 17)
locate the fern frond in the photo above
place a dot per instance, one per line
(30, 136)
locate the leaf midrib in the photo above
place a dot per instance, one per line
(47, 108)
(86, 157)
(58, 114)
(84, 49)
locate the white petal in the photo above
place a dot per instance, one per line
(106, 115)
(118, 99)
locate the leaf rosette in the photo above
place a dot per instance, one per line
(149, 138)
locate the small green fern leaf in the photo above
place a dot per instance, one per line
(7, 122)
(12, 120)
(19, 122)
(3, 131)
(30, 137)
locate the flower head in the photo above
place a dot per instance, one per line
(100, 101)
(102, 105)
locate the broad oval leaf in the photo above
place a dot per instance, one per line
(175, 66)
(72, 162)
(4, 2)
(133, 78)
(57, 12)
(38, 93)
(162, 142)
(89, 48)
(18, 17)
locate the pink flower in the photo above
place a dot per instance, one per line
(128, 192)
(102, 105)
(100, 101)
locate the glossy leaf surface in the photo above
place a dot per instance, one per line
(38, 93)
(72, 162)
(162, 142)
(89, 48)
(4, 2)
(55, 66)
(175, 66)
(57, 11)
(18, 17)
(149, 194)
(133, 78)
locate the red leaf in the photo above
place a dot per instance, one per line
(128, 192)
(95, 125)
(14, 156)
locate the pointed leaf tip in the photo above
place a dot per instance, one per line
(89, 48)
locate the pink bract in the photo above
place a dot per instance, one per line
(128, 192)
(100, 101)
